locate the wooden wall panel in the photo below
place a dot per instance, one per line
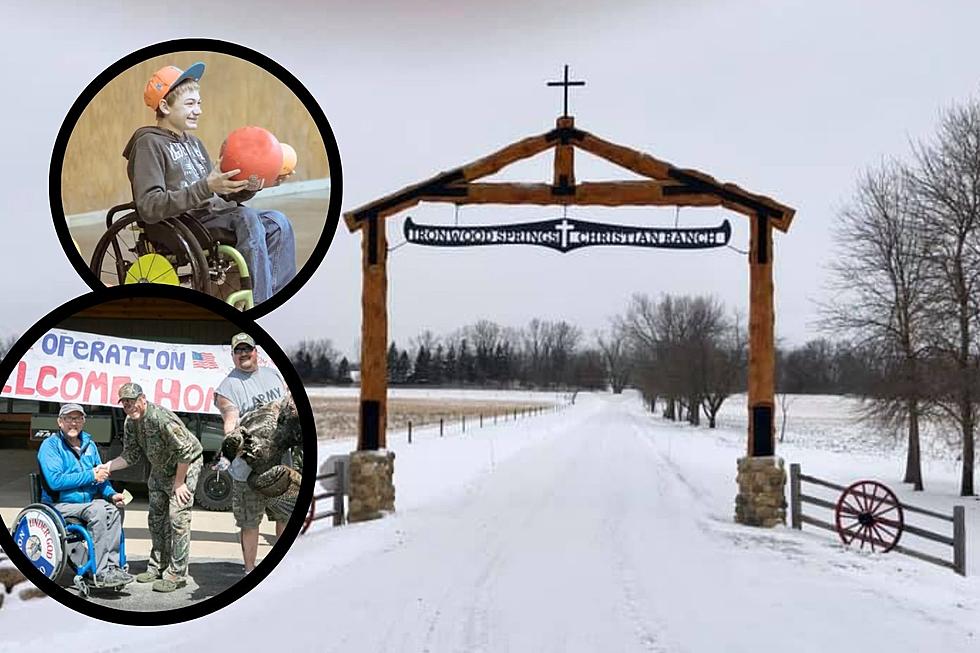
(153, 318)
(234, 93)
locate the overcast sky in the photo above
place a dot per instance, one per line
(786, 99)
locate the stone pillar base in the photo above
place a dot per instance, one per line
(372, 492)
(761, 499)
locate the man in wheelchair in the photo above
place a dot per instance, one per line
(73, 482)
(171, 175)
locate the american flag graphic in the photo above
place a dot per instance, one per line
(204, 361)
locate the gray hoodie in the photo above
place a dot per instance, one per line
(169, 173)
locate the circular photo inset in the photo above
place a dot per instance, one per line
(153, 455)
(201, 164)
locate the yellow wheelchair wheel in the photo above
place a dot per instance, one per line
(152, 268)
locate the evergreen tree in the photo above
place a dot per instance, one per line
(392, 363)
(301, 362)
(466, 369)
(449, 368)
(501, 363)
(483, 365)
(422, 372)
(436, 367)
(343, 372)
(403, 368)
(322, 369)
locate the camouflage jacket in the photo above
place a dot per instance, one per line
(161, 438)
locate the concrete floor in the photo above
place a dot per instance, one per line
(213, 534)
(306, 211)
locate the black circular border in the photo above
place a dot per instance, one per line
(222, 47)
(236, 591)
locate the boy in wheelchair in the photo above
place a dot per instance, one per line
(72, 484)
(171, 175)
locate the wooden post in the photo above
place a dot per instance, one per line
(374, 336)
(564, 177)
(762, 353)
(464, 423)
(796, 504)
(440, 427)
(481, 420)
(410, 431)
(338, 493)
(959, 540)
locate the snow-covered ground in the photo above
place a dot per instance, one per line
(596, 528)
(834, 423)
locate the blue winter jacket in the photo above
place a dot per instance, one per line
(68, 474)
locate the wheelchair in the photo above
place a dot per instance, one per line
(177, 251)
(53, 542)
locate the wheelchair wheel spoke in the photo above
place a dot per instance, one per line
(116, 251)
(164, 268)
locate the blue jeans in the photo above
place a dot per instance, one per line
(266, 240)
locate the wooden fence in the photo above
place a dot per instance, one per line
(503, 416)
(335, 489)
(958, 520)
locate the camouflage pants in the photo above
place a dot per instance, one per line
(170, 525)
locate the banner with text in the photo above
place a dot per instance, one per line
(87, 368)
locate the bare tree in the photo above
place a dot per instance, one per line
(683, 351)
(880, 297)
(426, 340)
(946, 182)
(6, 344)
(726, 364)
(484, 334)
(651, 331)
(564, 339)
(533, 344)
(616, 355)
(785, 401)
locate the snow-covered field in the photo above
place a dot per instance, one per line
(834, 423)
(336, 409)
(527, 396)
(596, 528)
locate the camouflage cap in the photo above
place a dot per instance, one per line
(240, 338)
(130, 391)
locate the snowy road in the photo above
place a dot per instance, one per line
(598, 529)
(598, 542)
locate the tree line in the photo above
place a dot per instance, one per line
(543, 354)
(316, 361)
(666, 346)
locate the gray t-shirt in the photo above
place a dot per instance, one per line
(247, 391)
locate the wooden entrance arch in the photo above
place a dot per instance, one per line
(664, 185)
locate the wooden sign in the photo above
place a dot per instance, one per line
(567, 234)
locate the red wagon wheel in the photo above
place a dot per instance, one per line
(309, 516)
(870, 512)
